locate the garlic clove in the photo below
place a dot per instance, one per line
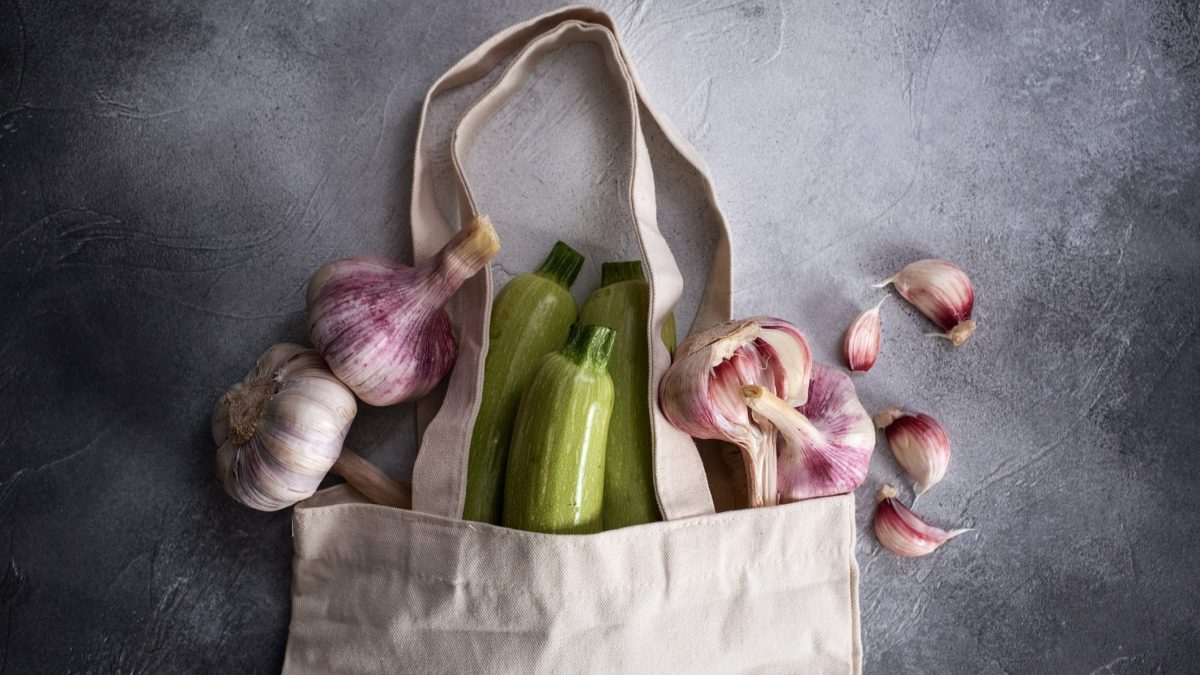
(861, 345)
(942, 292)
(825, 445)
(919, 444)
(382, 326)
(785, 344)
(903, 532)
(700, 393)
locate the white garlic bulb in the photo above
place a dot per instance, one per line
(281, 429)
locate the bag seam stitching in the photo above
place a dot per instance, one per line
(494, 589)
(440, 522)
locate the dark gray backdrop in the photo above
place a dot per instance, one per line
(172, 171)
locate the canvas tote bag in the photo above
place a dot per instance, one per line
(385, 590)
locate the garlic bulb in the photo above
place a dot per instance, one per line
(862, 340)
(903, 532)
(919, 443)
(700, 393)
(281, 429)
(382, 326)
(826, 443)
(942, 292)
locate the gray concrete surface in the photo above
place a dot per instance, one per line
(171, 172)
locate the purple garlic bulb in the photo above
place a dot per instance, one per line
(382, 326)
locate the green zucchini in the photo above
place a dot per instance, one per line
(531, 317)
(555, 480)
(622, 303)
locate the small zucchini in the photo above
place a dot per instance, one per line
(555, 480)
(531, 318)
(622, 303)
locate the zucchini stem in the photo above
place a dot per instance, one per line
(616, 272)
(589, 346)
(562, 265)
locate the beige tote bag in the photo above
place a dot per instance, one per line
(384, 590)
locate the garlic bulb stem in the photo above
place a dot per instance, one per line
(794, 426)
(761, 460)
(465, 253)
(373, 483)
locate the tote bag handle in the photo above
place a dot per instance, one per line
(440, 474)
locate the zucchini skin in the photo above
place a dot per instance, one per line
(531, 317)
(555, 478)
(629, 494)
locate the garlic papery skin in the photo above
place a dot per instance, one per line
(861, 345)
(382, 326)
(281, 429)
(942, 292)
(701, 392)
(903, 532)
(825, 445)
(919, 443)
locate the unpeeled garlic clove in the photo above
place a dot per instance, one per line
(903, 532)
(862, 340)
(942, 292)
(700, 393)
(919, 443)
(825, 445)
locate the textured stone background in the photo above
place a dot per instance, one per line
(172, 171)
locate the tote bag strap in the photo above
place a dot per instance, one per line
(439, 477)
